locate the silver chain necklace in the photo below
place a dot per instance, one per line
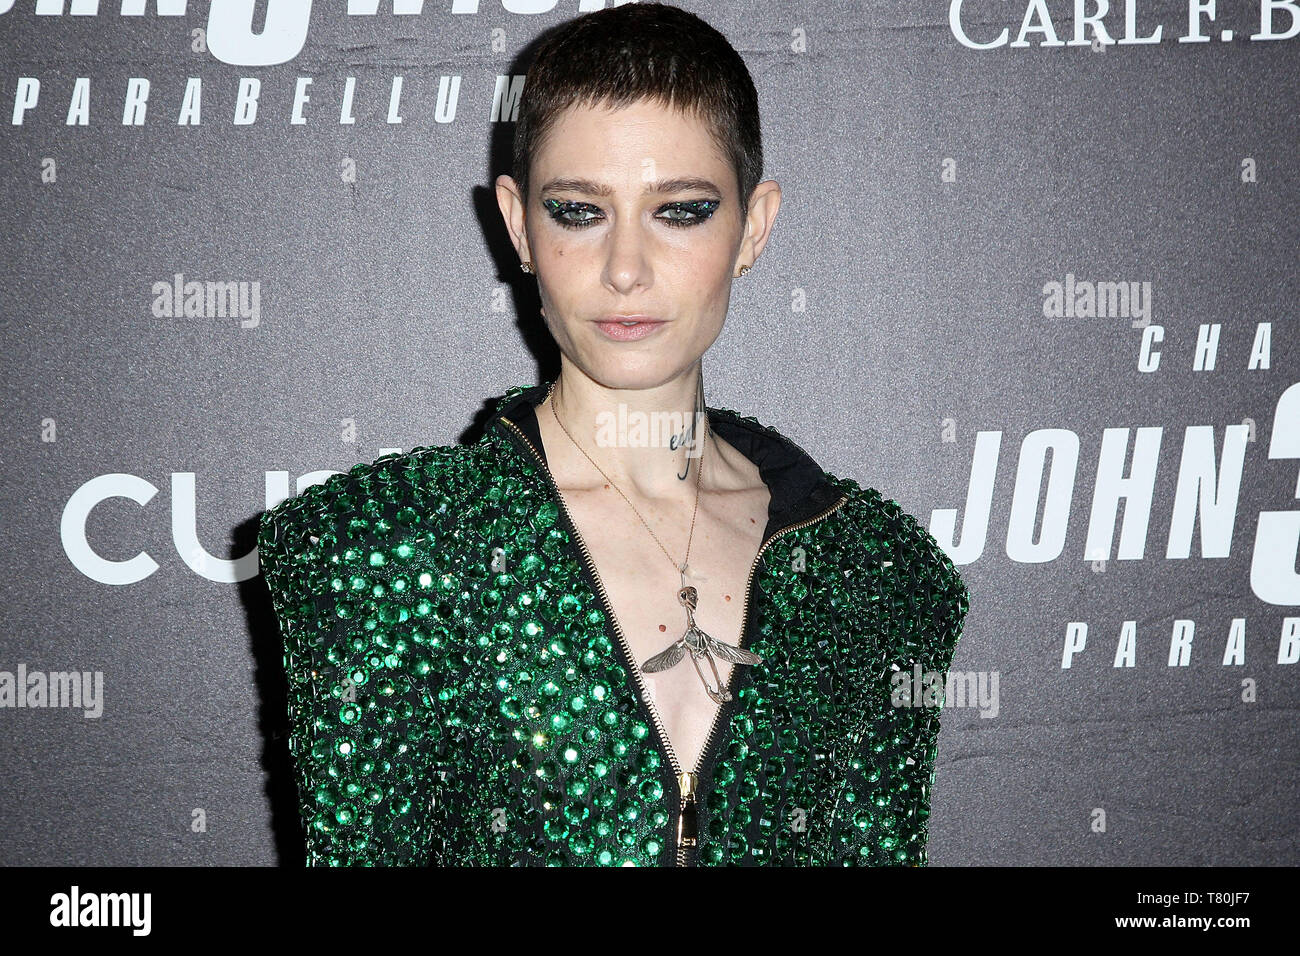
(700, 644)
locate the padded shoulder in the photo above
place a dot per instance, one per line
(364, 726)
(365, 506)
(917, 603)
(924, 582)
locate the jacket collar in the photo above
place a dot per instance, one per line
(800, 488)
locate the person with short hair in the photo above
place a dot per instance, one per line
(624, 627)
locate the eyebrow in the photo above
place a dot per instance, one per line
(592, 188)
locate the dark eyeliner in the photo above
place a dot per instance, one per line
(701, 210)
(559, 207)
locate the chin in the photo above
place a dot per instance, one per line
(646, 372)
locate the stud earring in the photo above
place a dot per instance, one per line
(744, 271)
(527, 267)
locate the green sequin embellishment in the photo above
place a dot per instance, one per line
(456, 696)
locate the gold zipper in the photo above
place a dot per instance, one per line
(687, 812)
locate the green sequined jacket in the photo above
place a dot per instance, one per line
(460, 693)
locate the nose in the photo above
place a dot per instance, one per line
(628, 256)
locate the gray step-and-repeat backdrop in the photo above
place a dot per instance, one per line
(1034, 277)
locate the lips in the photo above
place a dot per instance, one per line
(628, 328)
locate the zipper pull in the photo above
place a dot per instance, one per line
(687, 833)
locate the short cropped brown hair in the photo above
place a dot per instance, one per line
(655, 51)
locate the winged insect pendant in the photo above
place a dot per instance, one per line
(700, 645)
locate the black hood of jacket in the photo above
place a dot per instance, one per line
(800, 487)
